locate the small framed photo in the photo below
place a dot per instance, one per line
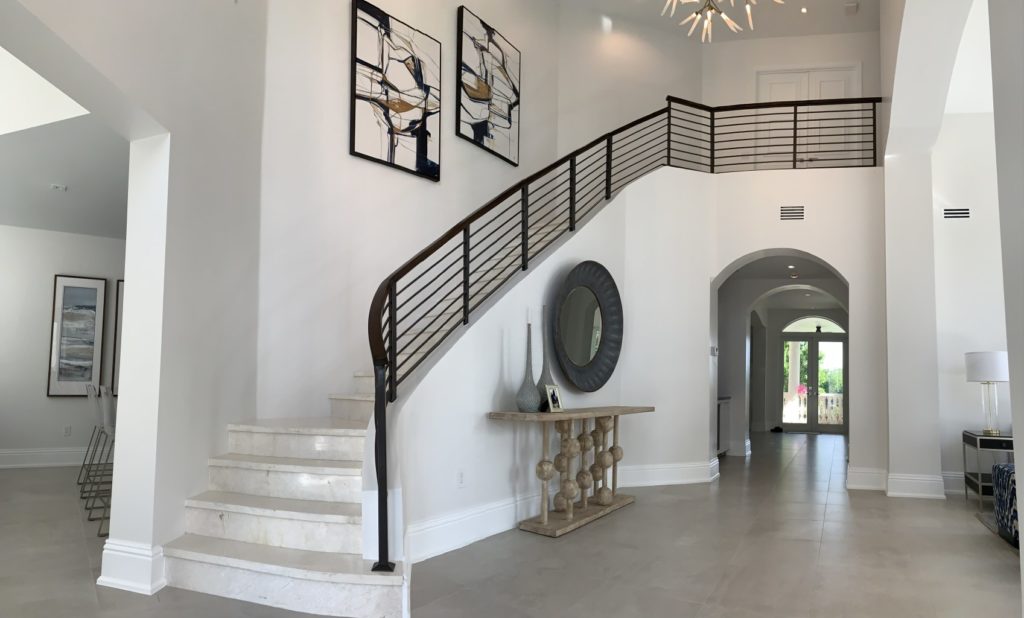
(554, 398)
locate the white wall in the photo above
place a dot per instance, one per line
(32, 424)
(334, 226)
(606, 79)
(730, 67)
(969, 304)
(838, 201)
(663, 363)
(197, 68)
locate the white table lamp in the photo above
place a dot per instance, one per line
(988, 368)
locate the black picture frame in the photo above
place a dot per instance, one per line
(427, 168)
(595, 374)
(115, 363)
(54, 386)
(461, 72)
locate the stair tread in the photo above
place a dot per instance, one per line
(313, 510)
(318, 426)
(262, 462)
(297, 563)
(351, 397)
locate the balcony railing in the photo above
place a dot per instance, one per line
(430, 296)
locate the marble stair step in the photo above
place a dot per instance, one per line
(287, 477)
(325, 583)
(309, 438)
(312, 525)
(354, 407)
(363, 381)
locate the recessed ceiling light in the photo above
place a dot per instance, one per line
(803, 10)
(791, 267)
(807, 295)
(794, 275)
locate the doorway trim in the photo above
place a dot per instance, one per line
(813, 339)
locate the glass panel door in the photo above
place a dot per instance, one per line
(813, 383)
(830, 387)
(795, 385)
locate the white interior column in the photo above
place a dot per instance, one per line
(929, 40)
(1006, 20)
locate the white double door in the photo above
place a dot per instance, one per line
(817, 130)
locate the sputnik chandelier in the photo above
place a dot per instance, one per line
(706, 13)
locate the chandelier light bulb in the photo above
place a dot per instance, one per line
(708, 9)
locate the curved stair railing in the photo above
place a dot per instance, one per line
(430, 296)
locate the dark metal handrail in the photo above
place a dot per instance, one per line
(460, 270)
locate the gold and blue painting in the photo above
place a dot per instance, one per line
(76, 335)
(396, 93)
(488, 98)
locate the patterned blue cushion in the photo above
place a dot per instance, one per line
(1004, 484)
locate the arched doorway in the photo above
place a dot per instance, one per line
(755, 299)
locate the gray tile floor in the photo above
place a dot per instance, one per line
(50, 559)
(776, 536)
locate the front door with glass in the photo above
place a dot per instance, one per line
(813, 383)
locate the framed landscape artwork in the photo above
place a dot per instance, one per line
(76, 335)
(488, 97)
(396, 93)
(118, 321)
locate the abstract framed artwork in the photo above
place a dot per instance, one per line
(396, 93)
(488, 97)
(115, 372)
(76, 335)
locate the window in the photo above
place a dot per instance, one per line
(812, 324)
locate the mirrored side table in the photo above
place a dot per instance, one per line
(978, 480)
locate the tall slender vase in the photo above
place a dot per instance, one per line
(545, 368)
(527, 399)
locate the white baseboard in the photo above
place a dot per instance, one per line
(450, 532)
(738, 449)
(57, 457)
(455, 530)
(916, 486)
(686, 473)
(869, 479)
(131, 566)
(396, 524)
(953, 482)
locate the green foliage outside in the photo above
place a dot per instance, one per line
(829, 380)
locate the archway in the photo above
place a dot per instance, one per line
(753, 300)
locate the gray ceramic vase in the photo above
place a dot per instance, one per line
(545, 368)
(527, 399)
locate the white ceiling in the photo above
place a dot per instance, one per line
(970, 88)
(770, 19)
(777, 267)
(81, 153)
(27, 100)
(800, 299)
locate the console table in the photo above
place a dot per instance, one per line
(590, 483)
(977, 480)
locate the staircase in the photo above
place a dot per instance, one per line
(281, 522)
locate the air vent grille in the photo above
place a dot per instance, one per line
(791, 213)
(956, 213)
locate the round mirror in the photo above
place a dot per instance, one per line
(580, 324)
(588, 326)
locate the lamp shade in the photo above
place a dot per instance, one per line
(987, 367)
